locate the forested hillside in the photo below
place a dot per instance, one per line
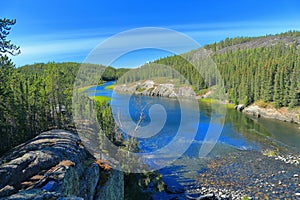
(239, 43)
(38, 97)
(270, 74)
(253, 69)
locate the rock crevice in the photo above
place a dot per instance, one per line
(55, 165)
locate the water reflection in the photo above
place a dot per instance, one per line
(239, 133)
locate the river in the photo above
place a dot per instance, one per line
(241, 137)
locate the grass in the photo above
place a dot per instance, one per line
(262, 104)
(100, 98)
(110, 87)
(206, 100)
(245, 198)
(82, 89)
(215, 101)
(141, 89)
(230, 105)
(269, 153)
(200, 92)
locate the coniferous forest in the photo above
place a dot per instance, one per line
(38, 97)
(158, 100)
(266, 73)
(35, 98)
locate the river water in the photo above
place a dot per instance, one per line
(240, 133)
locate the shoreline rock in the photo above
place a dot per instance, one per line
(169, 90)
(239, 107)
(150, 88)
(286, 158)
(282, 114)
(248, 174)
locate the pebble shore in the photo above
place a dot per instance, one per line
(249, 175)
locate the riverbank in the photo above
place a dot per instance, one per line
(260, 174)
(240, 175)
(268, 111)
(249, 174)
(171, 90)
(151, 88)
(260, 109)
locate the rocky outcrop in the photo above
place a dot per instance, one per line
(113, 188)
(55, 165)
(150, 88)
(262, 42)
(239, 107)
(283, 114)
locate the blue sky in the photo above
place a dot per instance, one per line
(67, 30)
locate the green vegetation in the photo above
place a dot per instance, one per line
(262, 104)
(37, 97)
(180, 72)
(268, 74)
(269, 153)
(111, 73)
(82, 89)
(227, 42)
(245, 198)
(110, 87)
(206, 100)
(264, 74)
(212, 101)
(100, 98)
(200, 92)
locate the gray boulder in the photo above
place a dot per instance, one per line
(54, 165)
(239, 107)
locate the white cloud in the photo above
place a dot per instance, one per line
(75, 45)
(60, 46)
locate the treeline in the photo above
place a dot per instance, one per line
(269, 74)
(38, 97)
(111, 73)
(227, 42)
(174, 68)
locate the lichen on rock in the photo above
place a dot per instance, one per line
(54, 166)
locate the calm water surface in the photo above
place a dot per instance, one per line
(240, 133)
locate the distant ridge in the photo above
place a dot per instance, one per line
(239, 43)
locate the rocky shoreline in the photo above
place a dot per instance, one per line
(282, 114)
(249, 174)
(150, 88)
(286, 158)
(170, 90)
(241, 175)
